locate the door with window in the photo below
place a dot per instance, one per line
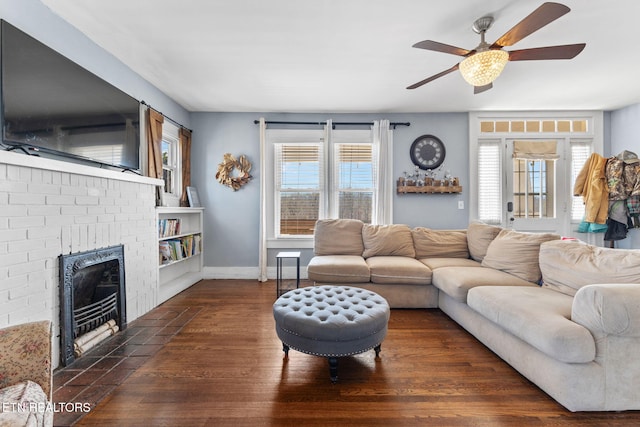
(536, 192)
(526, 166)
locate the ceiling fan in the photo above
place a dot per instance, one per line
(483, 64)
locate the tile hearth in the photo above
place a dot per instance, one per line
(92, 377)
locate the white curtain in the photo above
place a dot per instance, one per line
(383, 158)
(327, 159)
(262, 244)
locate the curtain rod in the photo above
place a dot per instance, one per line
(166, 117)
(271, 122)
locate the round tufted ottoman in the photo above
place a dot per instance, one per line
(331, 321)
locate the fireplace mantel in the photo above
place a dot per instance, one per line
(19, 159)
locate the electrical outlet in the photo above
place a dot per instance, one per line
(460, 204)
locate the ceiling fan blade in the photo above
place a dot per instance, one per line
(568, 51)
(545, 14)
(435, 76)
(441, 47)
(480, 89)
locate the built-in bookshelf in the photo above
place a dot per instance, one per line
(180, 246)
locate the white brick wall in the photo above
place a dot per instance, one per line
(45, 213)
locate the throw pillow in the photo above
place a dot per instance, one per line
(385, 240)
(567, 266)
(479, 237)
(338, 237)
(517, 253)
(430, 243)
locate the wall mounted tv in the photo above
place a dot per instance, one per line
(53, 106)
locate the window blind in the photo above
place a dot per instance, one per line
(354, 180)
(355, 167)
(489, 182)
(580, 152)
(535, 150)
(299, 186)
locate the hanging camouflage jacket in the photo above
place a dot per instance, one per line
(614, 173)
(632, 179)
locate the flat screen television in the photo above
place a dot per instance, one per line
(52, 105)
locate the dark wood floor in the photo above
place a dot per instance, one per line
(225, 367)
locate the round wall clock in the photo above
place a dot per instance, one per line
(427, 152)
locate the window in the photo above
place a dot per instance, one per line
(314, 178)
(534, 125)
(299, 187)
(580, 152)
(489, 173)
(171, 159)
(534, 178)
(354, 181)
(534, 188)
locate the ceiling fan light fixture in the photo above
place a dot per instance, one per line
(483, 67)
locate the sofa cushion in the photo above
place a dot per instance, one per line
(567, 265)
(430, 243)
(338, 237)
(517, 253)
(387, 240)
(479, 236)
(434, 263)
(456, 281)
(338, 269)
(399, 270)
(538, 316)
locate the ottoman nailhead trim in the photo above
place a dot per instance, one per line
(354, 339)
(332, 354)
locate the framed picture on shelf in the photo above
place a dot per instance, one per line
(192, 195)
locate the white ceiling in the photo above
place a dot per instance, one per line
(356, 55)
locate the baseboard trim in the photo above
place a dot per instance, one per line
(246, 273)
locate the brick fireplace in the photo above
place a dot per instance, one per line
(48, 208)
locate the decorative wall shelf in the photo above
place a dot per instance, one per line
(431, 189)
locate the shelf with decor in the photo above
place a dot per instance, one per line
(430, 189)
(180, 249)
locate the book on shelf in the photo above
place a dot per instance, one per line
(165, 253)
(168, 227)
(176, 249)
(191, 244)
(180, 248)
(197, 244)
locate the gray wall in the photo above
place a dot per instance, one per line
(232, 218)
(625, 135)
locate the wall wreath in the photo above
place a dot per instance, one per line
(234, 173)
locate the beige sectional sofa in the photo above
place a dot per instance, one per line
(565, 314)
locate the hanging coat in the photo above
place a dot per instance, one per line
(592, 186)
(614, 172)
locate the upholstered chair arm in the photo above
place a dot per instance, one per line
(25, 354)
(608, 309)
(611, 312)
